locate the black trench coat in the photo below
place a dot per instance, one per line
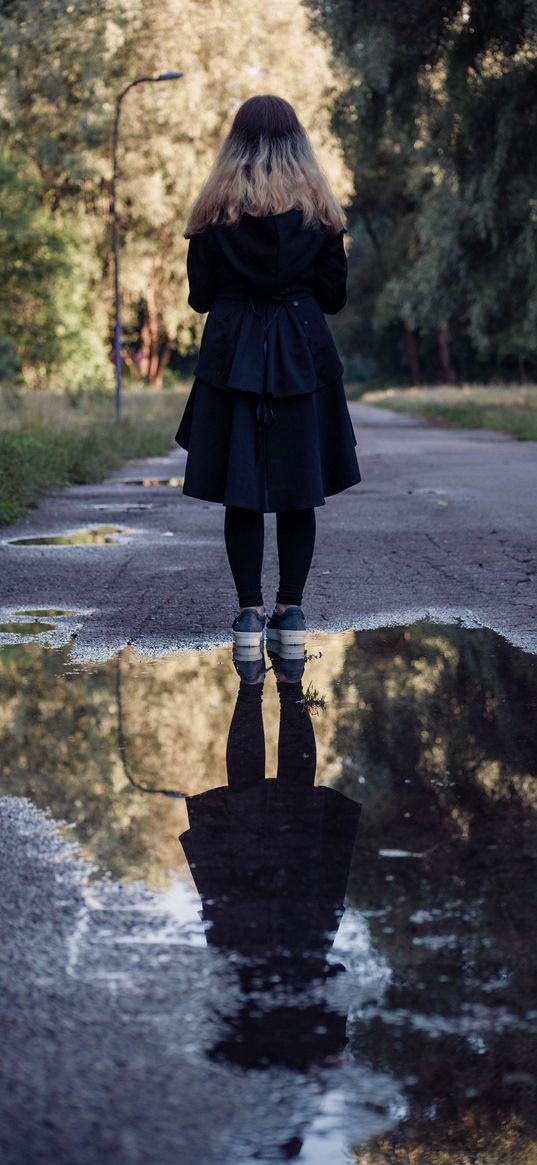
(266, 424)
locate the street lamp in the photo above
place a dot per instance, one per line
(172, 76)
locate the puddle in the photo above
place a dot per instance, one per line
(45, 612)
(173, 482)
(124, 507)
(25, 628)
(410, 1021)
(54, 626)
(90, 536)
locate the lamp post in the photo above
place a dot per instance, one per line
(172, 76)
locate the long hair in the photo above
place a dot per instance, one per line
(265, 165)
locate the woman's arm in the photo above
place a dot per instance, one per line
(330, 275)
(200, 267)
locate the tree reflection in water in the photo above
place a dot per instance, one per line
(442, 730)
(435, 729)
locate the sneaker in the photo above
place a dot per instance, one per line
(248, 628)
(288, 663)
(288, 628)
(249, 663)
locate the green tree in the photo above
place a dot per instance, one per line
(48, 330)
(435, 122)
(62, 68)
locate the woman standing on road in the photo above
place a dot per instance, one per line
(266, 424)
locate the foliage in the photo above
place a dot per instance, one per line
(437, 725)
(433, 727)
(47, 326)
(435, 123)
(74, 739)
(63, 65)
(432, 113)
(47, 448)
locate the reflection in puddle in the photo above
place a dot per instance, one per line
(25, 628)
(53, 626)
(413, 1029)
(270, 859)
(126, 507)
(174, 482)
(45, 612)
(91, 536)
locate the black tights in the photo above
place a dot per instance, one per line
(245, 753)
(245, 533)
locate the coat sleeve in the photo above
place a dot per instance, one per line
(330, 275)
(200, 266)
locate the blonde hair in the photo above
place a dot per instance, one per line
(265, 165)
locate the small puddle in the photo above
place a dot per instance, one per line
(172, 482)
(34, 628)
(90, 536)
(45, 612)
(409, 1020)
(124, 507)
(53, 625)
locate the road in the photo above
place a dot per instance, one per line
(108, 1008)
(443, 523)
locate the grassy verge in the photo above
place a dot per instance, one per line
(508, 410)
(49, 440)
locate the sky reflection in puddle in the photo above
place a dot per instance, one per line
(422, 1012)
(90, 536)
(169, 482)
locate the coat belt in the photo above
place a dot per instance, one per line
(264, 411)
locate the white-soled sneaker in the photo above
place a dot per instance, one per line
(287, 629)
(248, 628)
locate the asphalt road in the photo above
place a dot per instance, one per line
(442, 524)
(107, 1006)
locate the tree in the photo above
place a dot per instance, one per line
(434, 122)
(47, 326)
(63, 66)
(171, 133)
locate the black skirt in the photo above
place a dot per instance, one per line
(267, 453)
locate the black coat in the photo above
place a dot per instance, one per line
(266, 425)
(266, 284)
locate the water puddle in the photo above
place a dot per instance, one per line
(44, 613)
(90, 536)
(127, 507)
(401, 1029)
(172, 482)
(25, 628)
(53, 626)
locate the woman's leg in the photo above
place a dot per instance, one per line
(296, 540)
(244, 533)
(245, 752)
(297, 753)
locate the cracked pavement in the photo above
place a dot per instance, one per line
(443, 525)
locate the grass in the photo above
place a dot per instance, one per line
(50, 440)
(510, 409)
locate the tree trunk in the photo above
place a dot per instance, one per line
(412, 354)
(161, 365)
(522, 374)
(153, 337)
(444, 348)
(373, 236)
(144, 351)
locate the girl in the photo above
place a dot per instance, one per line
(266, 424)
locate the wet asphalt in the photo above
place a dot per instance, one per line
(442, 525)
(102, 1048)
